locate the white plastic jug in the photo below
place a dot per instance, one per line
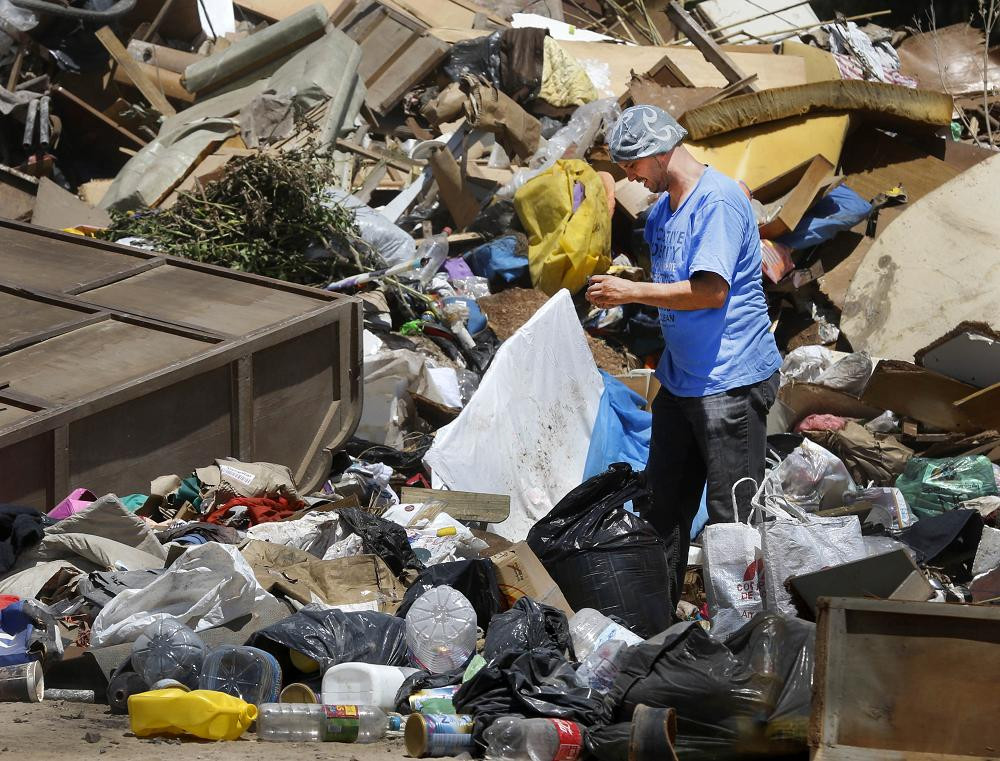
(363, 684)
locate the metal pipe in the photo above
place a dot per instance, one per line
(29, 124)
(55, 9)
(43, 123)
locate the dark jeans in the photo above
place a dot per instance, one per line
(720, 438)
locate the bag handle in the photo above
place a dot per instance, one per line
(736, 510)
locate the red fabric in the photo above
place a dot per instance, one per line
(259, 510)
(6, 600)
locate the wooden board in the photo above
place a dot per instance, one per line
(134, 71)
(276, 10)
(462, 505)
(58, 208)
(115, 394)
(883, 669)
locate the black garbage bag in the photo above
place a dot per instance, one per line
(948, 541)
(603, 556)
(538, 683)
(608, 743)
(425, 680)
(383, 538)
(476, 579)
(747, 697)
(330, 636)
(479, 57)
(526, 626)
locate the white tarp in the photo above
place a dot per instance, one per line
(526, 431)
(209, 585)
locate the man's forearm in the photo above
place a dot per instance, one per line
(685, 295)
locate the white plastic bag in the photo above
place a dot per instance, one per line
(731, 564)
(208, 586)
(810, 478)
(803, 544)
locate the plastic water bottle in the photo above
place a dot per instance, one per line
(514, 739)
(167, 649)
(435, 251)
(589, 628)
(599, 669)
(244, 672)
(441, 630)
(309, 722)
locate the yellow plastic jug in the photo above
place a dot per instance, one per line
(206, 714)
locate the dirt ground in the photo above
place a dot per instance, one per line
(509, 310)
(58, 730)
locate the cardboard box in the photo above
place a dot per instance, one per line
(521, 573)
(795, 191)
(644, 383)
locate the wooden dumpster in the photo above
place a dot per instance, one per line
(905, 681)
(119, 365)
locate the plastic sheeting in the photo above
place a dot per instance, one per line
(526, 432)
(621, 431)
(209, 585)
(527, 626)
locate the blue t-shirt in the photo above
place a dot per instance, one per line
(709, 351)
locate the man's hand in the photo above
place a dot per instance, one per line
(608, 291)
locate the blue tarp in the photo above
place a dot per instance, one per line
(621, 434)
(16, 629)
(499, 262)
(840, 209)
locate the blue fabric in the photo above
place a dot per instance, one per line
(621, 434)
(499, 262)
(621, 430)
(16, 629)
(709, 351)
(840, 209)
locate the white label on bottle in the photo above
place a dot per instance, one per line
(614, 631)
(240, 475)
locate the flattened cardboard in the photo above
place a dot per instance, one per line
(919, 394)
(520, 573)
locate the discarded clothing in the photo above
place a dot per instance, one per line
(20, 528)
(241, 512)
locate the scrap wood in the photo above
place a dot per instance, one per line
(399, 162)
(63, 92)
(167, 82)
(134, 72)
(708, 46)
(893, 103)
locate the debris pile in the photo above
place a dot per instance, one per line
(309, 432)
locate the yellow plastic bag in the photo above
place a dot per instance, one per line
(206, 714)
(565, 247)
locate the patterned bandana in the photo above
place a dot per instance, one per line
(644, 131)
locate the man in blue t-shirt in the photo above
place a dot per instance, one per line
(719, 367)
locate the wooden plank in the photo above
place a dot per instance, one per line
(389, 41)
(134, 72)
(462, 505)
(708, 46)
(277, 10)
(882, 667)
(418, 61)
(131, 136)
(983, 406)
(402, 164)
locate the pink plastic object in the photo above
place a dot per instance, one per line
(78, 500)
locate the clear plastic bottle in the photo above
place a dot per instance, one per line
(441, 630)
(514, 739)
(244, 672)
(309, 722)
(589, 628)
(167, 649)
(435, 251)
(599, 669)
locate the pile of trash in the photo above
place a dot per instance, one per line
(473, 572)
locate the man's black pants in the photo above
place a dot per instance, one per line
(720, 438)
